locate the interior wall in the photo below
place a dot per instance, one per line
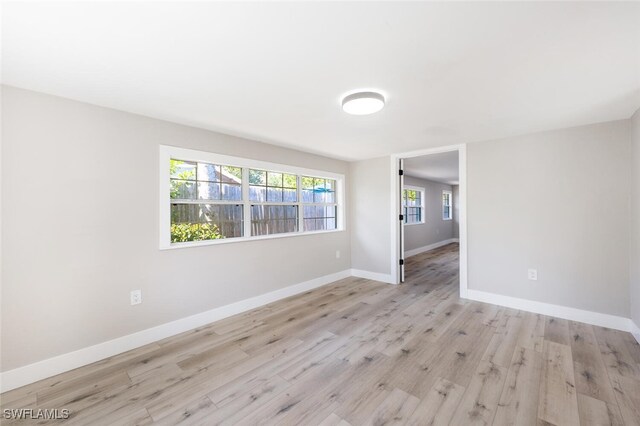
(83, 179)
(435, 229)
(80, 229)
(456, 211)
(370, 206)
(558, 202)
(635, 221)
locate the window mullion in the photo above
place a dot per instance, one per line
(246, 209)
(299, 199)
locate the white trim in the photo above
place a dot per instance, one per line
(50, 367)
(174, 246)
(207, 156)
(375, 276)
(415, 188)
(462, 202)
(167, 152)
(433, 246)
(565, 312)
(399, 228)
(635, 331)
(396, 182)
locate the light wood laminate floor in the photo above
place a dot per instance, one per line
(361, 352)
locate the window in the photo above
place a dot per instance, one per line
(413, 205)
(319, 203)
(207, 198)
(274, 197)
(447, 213)
(204, 201)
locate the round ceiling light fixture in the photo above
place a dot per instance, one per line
(363, 103)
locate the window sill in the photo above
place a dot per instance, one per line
(415, 223)
(447, 219)
(173, 246)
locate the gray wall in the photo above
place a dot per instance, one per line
(80, 224)
(558, 202)
(370, 209)
(80, 229)
(635, 224)
(456, 211)
(434, 229)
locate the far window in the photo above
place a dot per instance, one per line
(413, 205)
(446, 205)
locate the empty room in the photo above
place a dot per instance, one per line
(430, 230)
(320, 213)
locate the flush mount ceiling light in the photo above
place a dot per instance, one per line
(363, 103)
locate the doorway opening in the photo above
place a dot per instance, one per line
(429, 216)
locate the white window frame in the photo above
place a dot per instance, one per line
(450, 205)
(422, 196)
(169, 152)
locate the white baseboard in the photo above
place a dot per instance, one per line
(635, 330)
(50, 367)
(422, 249)
(375, 276)
(565, 312)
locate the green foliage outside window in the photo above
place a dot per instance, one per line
(290, 181)
(184, 175)
(234, 171)
(410, 195)
(183, 232)
(272, 179)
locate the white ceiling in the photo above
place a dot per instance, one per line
(452, 72)
(441, 167)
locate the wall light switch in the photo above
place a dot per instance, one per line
(532, 274)
(136, 297)
(337, 254)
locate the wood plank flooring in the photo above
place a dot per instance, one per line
(358, 352)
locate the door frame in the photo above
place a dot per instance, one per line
(395, 210)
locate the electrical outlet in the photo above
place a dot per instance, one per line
(337, 254)
(136, 297)
(532, 274)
